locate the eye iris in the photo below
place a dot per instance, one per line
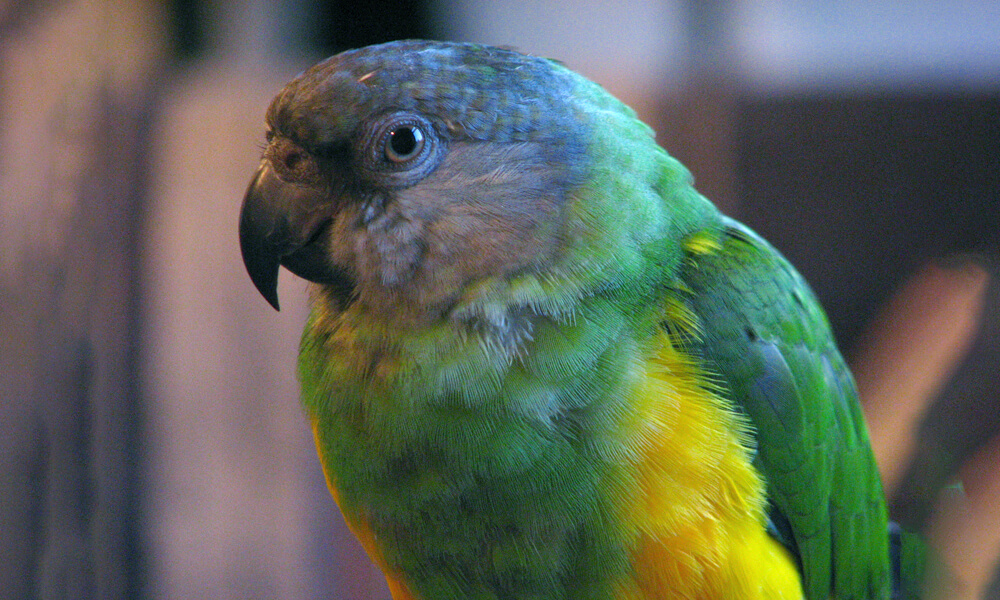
(404, 143)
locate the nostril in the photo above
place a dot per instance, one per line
(292, 162)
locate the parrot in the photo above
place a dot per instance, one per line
(538, 364)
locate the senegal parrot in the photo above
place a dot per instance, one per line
(538, 364)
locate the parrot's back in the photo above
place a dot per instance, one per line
(539, 364)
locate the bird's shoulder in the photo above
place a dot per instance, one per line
(753, 323)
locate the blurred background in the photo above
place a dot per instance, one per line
(151, 443)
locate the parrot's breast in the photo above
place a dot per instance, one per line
(596, 466)
(697, 508)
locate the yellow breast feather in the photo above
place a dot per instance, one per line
(698, 511)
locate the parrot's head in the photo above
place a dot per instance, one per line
(407, 177)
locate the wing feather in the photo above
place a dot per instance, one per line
(765, 335)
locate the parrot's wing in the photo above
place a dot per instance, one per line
(760, 329)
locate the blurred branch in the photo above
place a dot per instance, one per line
(966, 531)
(910, 352)
(924, 425)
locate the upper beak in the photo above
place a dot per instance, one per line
(281, 223)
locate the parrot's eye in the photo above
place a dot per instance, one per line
(399, 149)
(404, 143)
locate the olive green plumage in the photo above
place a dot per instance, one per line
(495, 242)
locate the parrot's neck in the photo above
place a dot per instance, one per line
(474, 356)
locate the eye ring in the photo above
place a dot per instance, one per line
(397, 149)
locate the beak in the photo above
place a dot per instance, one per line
(281, 223)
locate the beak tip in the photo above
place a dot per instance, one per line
(271, 297)
(262, 267)
(273, 301)
(264, 275)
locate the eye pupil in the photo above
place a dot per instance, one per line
(404, 143)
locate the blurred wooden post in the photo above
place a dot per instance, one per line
(74, 85)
